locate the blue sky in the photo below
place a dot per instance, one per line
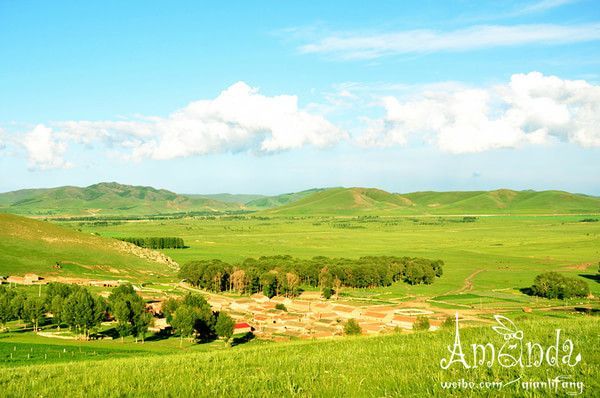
(272, 96)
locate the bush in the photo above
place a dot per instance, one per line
(280, 306)
(553, 285)
(422, 323)
(352, 328)
(327, 292)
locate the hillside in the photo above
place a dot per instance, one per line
(28, 245)
(395, 365)
(369, 201)
(269, 202)
(239, 199)
(104, 199)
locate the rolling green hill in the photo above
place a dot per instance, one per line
(269, 202)
(366, 201)
(239, 199)
(104, 199)
(28, 245)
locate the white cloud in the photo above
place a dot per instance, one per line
(531, 108)
(239, 119)
(370, 46)
(45, 151)
(543, 5)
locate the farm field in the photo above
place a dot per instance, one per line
(490, 258)
(314, 368)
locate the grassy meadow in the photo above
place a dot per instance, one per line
(491, 257)
(343, 367)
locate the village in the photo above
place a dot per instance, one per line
(308, 316)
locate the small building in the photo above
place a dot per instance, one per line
(15, 279)
(30, 279)
(242, 328)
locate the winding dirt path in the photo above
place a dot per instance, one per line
(468, 284)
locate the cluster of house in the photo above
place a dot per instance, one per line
(34, 279)
(309, 316)
(27, 279)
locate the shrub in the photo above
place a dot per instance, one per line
(352, 328)
(280, 306)
(422, 323)
(327, 292)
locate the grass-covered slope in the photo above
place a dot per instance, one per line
(103, 199)
(344, 201)
(387, 366)
(269, 202)
(365, 201)
(28, 245)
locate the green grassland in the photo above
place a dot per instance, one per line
(28, 245)
(482, 257)
(350, 367)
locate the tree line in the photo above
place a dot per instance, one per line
(83, 312)
(168, 242)
(284, 275)
(79, 309)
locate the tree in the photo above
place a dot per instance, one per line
(83, 311)
(293, 283)
(238, 280)
(269, 282)
(553, 285)
(184, 320)
(6, 308)
(122, 313)
(352, 328)
(421, 323)
(33, 311)
(129, 310)
(224, 327)
(193, 317)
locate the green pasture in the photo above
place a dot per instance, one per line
(349, 367)
(490, 254)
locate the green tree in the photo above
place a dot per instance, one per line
(122, 313)
(83, 311)
(224, 327)
(269, 283)
(6, 307)
(352, 328)
(33, 311)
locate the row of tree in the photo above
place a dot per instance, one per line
(284, 275)
(165, 242)
(78, 308)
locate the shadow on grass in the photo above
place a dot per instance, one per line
(594, 277)
(527, 291)
(242, 339)
(162, 335)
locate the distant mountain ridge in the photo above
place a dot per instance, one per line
(111, 198)
(357, 201)
(106, 198)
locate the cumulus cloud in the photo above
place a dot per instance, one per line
(531, 108)
(239, 119)
(351, 45)
(45, 150)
